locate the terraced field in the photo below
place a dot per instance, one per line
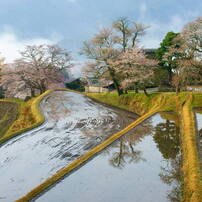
(9, 113)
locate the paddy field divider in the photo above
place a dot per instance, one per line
(192, 178)
(88, 155)
(36, 113)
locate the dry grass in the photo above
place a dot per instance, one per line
(9, 113)
(192, 178)
(29, 117)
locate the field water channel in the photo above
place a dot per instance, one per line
(142, 166)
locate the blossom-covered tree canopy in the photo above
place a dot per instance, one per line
(41, 67)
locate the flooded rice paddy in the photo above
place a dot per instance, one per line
(142, 166)
(199, 126)
(74, 124)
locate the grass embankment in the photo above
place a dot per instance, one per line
(191, 161)
(183, 104)
(139, 102)
(29, 117)
(78, 162)
(8, 114)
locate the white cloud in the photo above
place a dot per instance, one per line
(176, 23)
(77, 69)
(10, 44)
(158, 30)
(143, 10)
(150, 42)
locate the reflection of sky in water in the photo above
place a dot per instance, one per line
(199, 120)
(74, 124)
(135, 180)
(199, 125)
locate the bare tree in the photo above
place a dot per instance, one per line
(128, 33)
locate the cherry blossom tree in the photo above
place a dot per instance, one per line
(40, 68)
(1, 88)
(108, 45)
(186, 54)
(192, 36)
(134, 69)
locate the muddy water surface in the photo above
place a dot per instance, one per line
(74, 125)
(140, 167)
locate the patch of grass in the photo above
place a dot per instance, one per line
(192, 177)
(9, 113)
(197, 100)
(183, 103)
(139, 102)
(29, 117)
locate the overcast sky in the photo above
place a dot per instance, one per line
(70, 22)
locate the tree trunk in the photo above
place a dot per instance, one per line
(170, 75)
(177, 89)
(124, 42)
(145, 92)
(41, 90)
(136, 90)
(32, 92)
(116, 83)
(134, 39)
(42, 87)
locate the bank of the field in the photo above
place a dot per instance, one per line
(192, 176)
(29, 117)
(9, 112)
(139, 102)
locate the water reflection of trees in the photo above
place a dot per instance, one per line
(167, 138)
(166, 135)
(123, 151)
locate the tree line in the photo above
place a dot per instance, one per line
(40, 67)
(114, 54)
